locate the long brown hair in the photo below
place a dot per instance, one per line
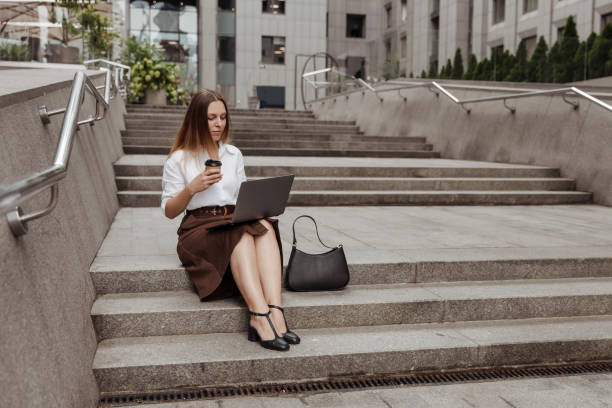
(193, 135)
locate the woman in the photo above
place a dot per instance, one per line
(246, 255)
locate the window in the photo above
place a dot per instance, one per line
(496, 52)
(403, 45)
(355, 66)
(173, 27)
(529, 5)
(605, 20)
(273, 6)
(404, 10)
(388, 13)
(388, 48)
(227, 49)
(271, 96)
(227, 5)
(560, 33)
(530, 44)
(499, 11)
(272, 50)
(355, 25)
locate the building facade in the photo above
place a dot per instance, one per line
(434, 29)
(254, 51)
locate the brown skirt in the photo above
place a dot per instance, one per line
(205, 252)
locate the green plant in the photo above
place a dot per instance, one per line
(390, 68)
(568, 45)
(457, 65)
(134, 51)
(98, 34)
(14, 52)
(537, 63)
(153, 74)
(518, 73)
(471, 71)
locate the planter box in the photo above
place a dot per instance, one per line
(155, 97)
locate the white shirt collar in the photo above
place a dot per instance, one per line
(223, 148)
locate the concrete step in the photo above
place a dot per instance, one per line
(160, 126)
(133, 198)
(153, 363)
(156, 273)
(284, 143)
(152, 165)
(242, 123)
(182, 312)
(271, 151)
(242, 135)
(384, 183)
(234, 112)
(242, 119)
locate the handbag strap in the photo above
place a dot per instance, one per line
(316, 229)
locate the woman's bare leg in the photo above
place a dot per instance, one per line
(270, 273)
(245, 272)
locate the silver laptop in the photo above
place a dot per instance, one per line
(260, 199)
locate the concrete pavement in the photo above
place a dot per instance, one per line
(591, 390)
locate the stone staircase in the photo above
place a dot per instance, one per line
(432, 288)
(335, 164)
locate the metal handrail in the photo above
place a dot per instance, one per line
(17, 193)
(437, 88)
(119, 70)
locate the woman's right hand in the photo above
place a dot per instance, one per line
(204, 180)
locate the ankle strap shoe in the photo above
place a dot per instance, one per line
(290, 337)
(276, 344)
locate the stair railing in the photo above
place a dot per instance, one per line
(18, 192)
(121, 73)
(437, 88)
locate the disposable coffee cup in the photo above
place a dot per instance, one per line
(212, 164)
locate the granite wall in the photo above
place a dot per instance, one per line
(47, 340)
(544, 131)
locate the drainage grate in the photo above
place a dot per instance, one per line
(354, 383)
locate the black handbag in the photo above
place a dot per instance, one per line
(311, 272)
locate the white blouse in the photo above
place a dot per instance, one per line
(181, 168)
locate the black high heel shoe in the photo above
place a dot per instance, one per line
(290, 337)
(277, 344)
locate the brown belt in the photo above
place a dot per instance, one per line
(213, 210)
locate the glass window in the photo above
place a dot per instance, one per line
(188, 20)
(529, 5)
(499, 11)
(389, 15)
(228, 5)
(388, 48)
(227, 73)
(404, 10)
(355, 25)
(560, 33)
(355, 66)
(271, 96)
(227, 49)
(173, 26)
(605, 20)
(530, 44)
(272, 50)
(273, 6)
(226, 24)
(496, 52)
(403, 46)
